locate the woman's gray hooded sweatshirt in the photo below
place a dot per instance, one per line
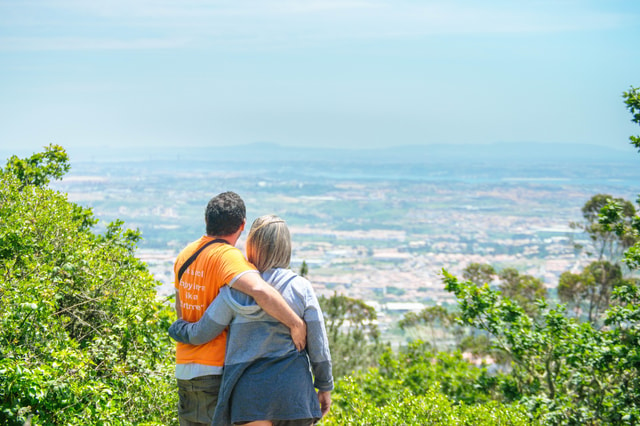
(261, 359)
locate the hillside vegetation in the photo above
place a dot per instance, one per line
(82, 337)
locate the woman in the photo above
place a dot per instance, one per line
(266, 381)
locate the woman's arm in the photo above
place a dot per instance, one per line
(272, 303)
(215, 319)
(318, 345)
(178, 305)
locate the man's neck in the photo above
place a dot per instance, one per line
(231, 239)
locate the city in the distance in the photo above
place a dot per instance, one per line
(374, 225)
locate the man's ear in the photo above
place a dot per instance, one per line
(244, 222)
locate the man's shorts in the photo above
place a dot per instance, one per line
(198, 399)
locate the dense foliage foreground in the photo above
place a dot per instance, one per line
(83, 336)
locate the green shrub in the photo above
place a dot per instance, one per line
(353, 405)
(82, 336)
(416, 387)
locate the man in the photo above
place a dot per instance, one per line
(199, 368)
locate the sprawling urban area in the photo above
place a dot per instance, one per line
(381, 233)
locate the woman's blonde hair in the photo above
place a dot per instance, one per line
(269, 243)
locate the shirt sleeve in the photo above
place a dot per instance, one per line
(233, 265)
(318, 343)
(215, 319)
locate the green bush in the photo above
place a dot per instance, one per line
(82, 336)
(564, 371)
(417, 369)
(353, 405)
(416, 387)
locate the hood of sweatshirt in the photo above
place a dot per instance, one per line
(279, 278)
(244, 304)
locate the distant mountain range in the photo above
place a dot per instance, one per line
(436, 153)
(525, 153)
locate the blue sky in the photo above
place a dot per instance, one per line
(361, 73)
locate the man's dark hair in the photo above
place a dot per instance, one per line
(225, 214)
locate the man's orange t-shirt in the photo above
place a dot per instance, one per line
(214, 267)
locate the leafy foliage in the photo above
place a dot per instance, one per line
(40, 167)
(82, 337)
(613, 216)
(415, 387)
(479, 273)
(589, 293)
(353, 334)
(418, 369)
(524, 289)
(606, 243)
(352, 406)
(443, 325)
(434, 318)
(632, 100)
(565, 371)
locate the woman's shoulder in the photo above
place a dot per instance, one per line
(280, 277)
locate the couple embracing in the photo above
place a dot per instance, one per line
(252, 347)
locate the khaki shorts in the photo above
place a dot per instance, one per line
(198, 399)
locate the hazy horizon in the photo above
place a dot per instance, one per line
(268, 151)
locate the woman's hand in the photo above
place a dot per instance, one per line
(325, 401)
(299, 335)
